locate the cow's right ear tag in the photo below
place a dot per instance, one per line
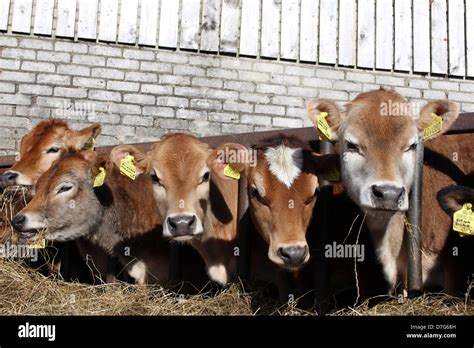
(463, 220)
(127, 167)
(100, 177)
(434, 127)
(325, 132)
(231, 173)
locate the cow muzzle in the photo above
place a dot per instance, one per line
(293, 256)
(387, 197)
(20, 224)
(182, 227)
(8, 179)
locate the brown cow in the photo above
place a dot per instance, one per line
(110, 215)
(378, 135)
(196, 202)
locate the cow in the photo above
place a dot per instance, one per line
(378, 135)
(113, 215)
(196, 201)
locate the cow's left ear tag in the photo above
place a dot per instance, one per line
(100, 178)
(231, 173)
(463, 220)
(89, 145)
(325, 132)
(434, 127)
(38, 244)
(127, 167)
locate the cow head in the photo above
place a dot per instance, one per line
(65, 203)
(378, 135)
(44, 145)
(452, 198)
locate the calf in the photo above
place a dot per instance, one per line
(110, 215)
(196, 202)
(378, 137)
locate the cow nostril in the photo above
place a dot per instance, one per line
(172, 223)
(10, 176)
(19, 220)
(292, 255)
(192, 220)
(377, 192)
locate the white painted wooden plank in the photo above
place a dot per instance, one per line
(289, 29)
(108, 20)
(270, 28)
(421, 36)
(439, 37)
(190, 24)
(128, 21)
(21, 21)
(457, 56)
(347, 33)
(66, 18)
(230, 26)
(87, 26)
(4, 12)
(148, 22)
(211, 19)
(169, 23)
(44, 17)
(366, 34)
(249, 27)
(309, 30)
(470, 38)
(403, 35)
(384, 37)
(328, 31)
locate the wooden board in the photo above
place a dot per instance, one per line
(44, 17)
(289, 29)
(169, 24)
(190, 24)
(66, 18)
(270, 29)
(87, 26)
(229, 40)
(21, 22)
(128, 32)
(421, 36)
(403, 35)
(456, 37)
(249, 25)
(347, 33)
(309, 21)
(328, 31)
(439, 37)
(108, 20)
(366, 34)
(4, 13)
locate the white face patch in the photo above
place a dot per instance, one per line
(138, 272)
(285, 163)
(259, 185)
(218, 273)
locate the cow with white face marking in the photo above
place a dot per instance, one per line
(377, 145)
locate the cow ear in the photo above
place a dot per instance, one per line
(447, 110)
(322, 164)
(334, 116)
(140, 159)
(237, 156)
(83, 139)
(453, 197)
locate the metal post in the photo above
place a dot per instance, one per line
(415, 284)
(243, 231)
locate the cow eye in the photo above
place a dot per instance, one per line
(255, 194)
(205, 177)
(412, 147)
(156, 179)
(53, 150)
(352, 147)
(64, 188)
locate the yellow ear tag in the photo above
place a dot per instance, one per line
(231, 173)
(38, 244)
(99, 178)
(434, 127)
(127, 167)
(463, 220)
(90, 145)
(324, 129)
(332, 174)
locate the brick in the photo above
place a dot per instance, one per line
(108, 73)
(430, 94)
(188, 70)
(460, 96)
(204, 60)
(417, 83)
(223, 117)
(221, 94)
(329, 74)
(137, 120)
(205, 128)
(172, 101)
(125, 109)
(35, 89)
(445, 85)
(296, 112)
(18, 53)
(6, 41)
(139, 99)
(17, 76)
(10, 64)
(174, 80)
(293, 69)
(118, 130)
(103, 117)
(55, 57)
(15, 99)
(7, 87)
(287, 122)
(54, 79)
(360, 77)
(239, 86)
(206, 104)
(157, 89)
(467, 107)
(290, 101)
(257, 119)
(235, 106)
(103, 50)
(236, 128)
(52, 102)
(253, 76)
(6, 110)
(255, 98)
(316, 82)
(33, 111)
(235, 63)
(37, 44)
(222, 73)
(188, 91)
(347, 86)
(303, 92)
(337, 95)
(122, 63)
(370, 87)
(268, 67)
(141, 77)
(191, 114)
(156, 67)
(20, 122)
(36, 66)
(148, 133)
(88, 60)
(70, 47)
(140, 54)
(171, 57)
(70, 92)
(467, 87)
(273, 89)
(88, 82)
(104, 95)
(269, 109)
(7, 143)
(390, 80)
(77, 70)
(205, 82)
(173, 124)
(408, 92)
(158, 111)
(123, 86)
(285, 79)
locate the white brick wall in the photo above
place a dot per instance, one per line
(139, 94)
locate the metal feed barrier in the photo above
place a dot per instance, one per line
(464, 124)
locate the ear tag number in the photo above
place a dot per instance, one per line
(463, 220)
(231, 173)
(100, 178)
(127, 167)
(38, 244)
(325, 132)
(434, 127)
